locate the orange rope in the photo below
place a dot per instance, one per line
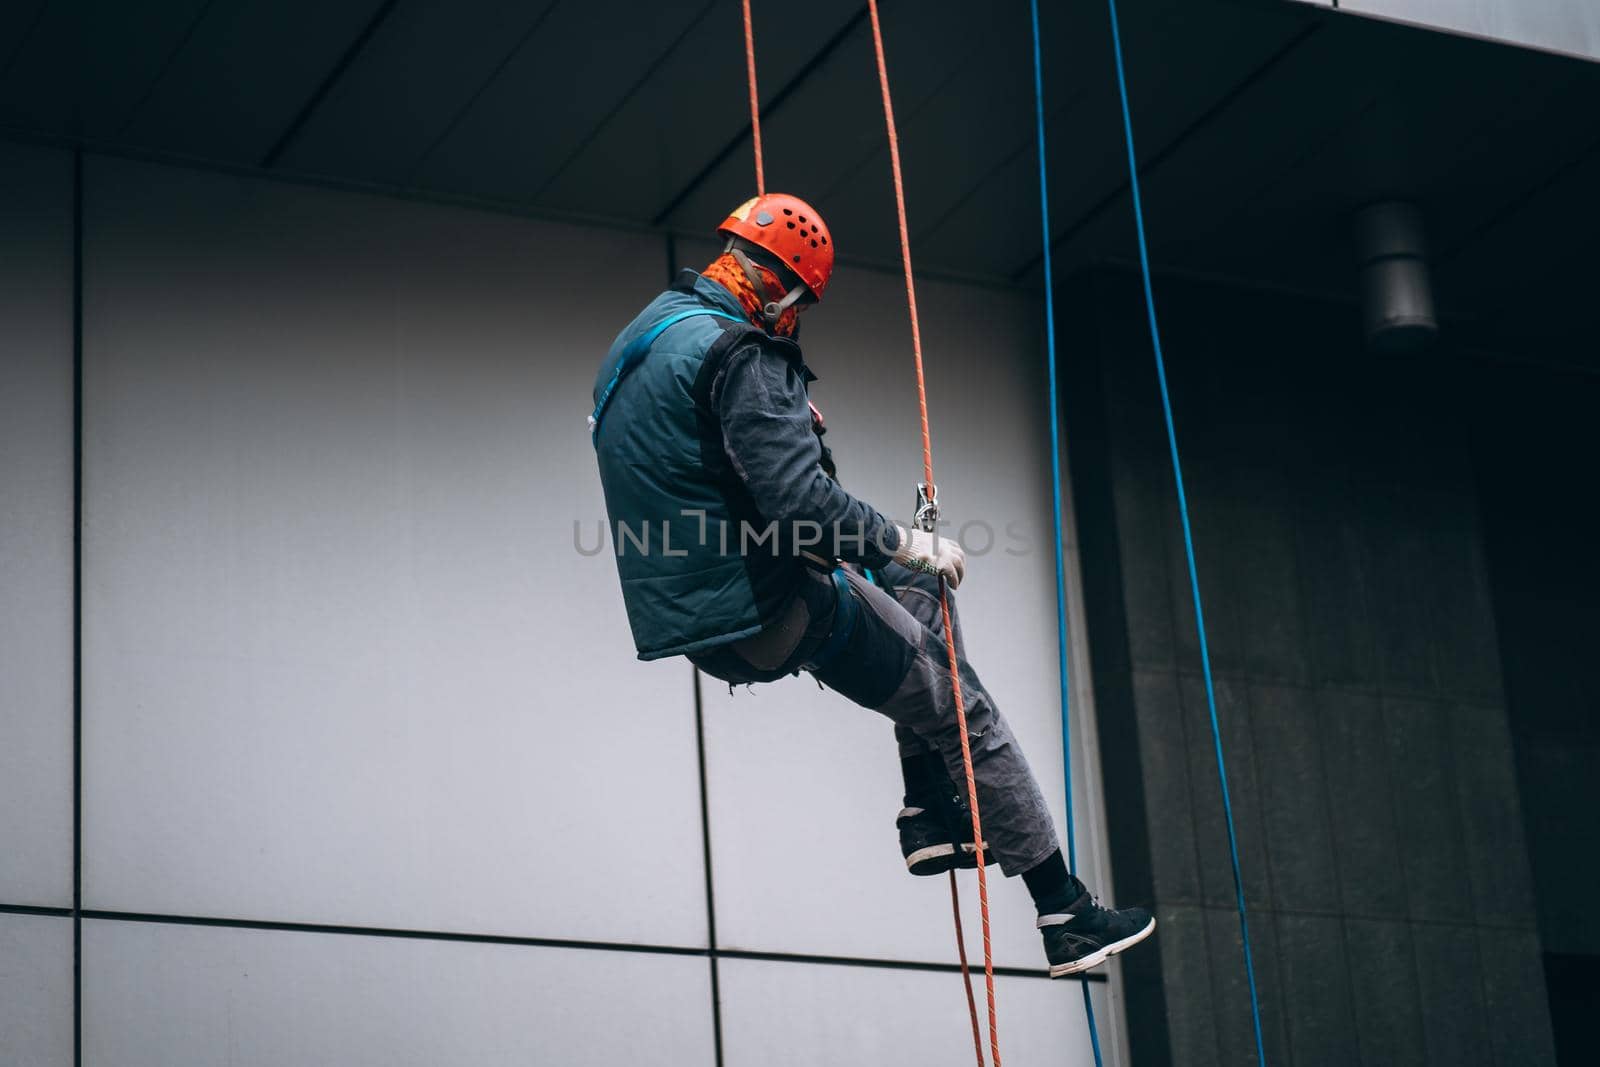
(944, 597)
(966, 975)
(927, 472)
(905, 243)
(977, 837)
(755, 98)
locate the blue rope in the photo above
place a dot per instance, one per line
(1055, 490)
(1183, 512)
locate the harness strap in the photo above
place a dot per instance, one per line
(633, 354)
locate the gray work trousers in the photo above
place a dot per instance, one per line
(896, 663)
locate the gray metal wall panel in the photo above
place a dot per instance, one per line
(35, 990)
(343, 664)
(157, 994)
(35, 526)
(342, 661)
(784, 1015)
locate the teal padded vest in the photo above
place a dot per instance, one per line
(674, 504)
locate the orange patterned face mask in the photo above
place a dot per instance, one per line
(726, 272)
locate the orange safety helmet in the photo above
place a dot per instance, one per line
(790, 229)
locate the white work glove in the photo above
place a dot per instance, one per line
(932, 554)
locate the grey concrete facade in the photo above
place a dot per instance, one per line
(1532, 444)
(1358, 684)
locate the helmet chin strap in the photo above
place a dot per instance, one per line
(772, 310)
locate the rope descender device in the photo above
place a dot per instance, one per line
(927, 516)
(926, 520)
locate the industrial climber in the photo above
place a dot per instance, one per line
(738, 548)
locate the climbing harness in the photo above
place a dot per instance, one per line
(1183, 514)
(633, 354)
(927, 509)
(1055, 495)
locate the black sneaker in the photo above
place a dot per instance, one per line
(938, 838)
(1086, 934)
(925, 841)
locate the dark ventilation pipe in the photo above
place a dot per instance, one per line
(1396, 295)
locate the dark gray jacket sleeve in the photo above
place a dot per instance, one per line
(766, 432)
